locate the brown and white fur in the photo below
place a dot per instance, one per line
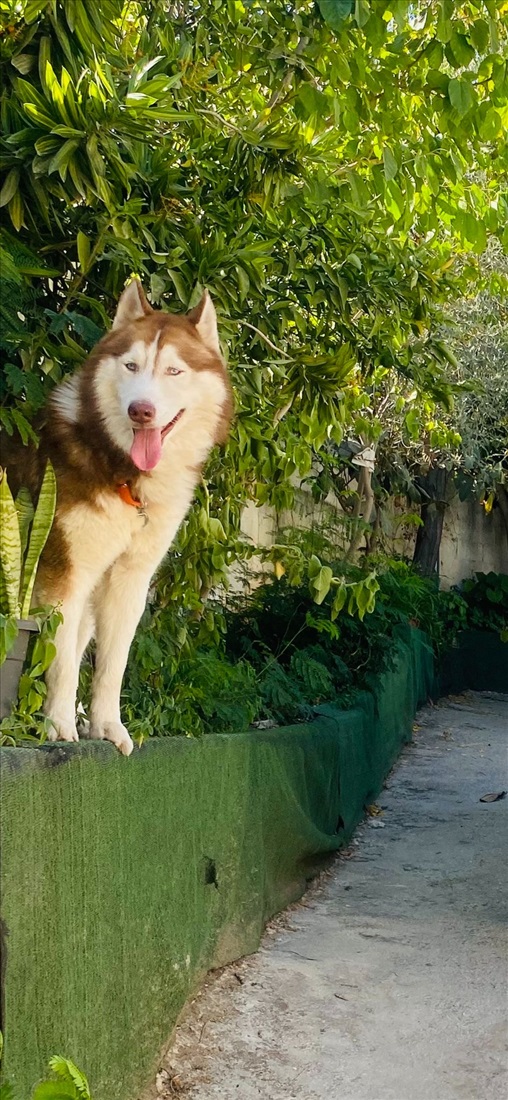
(157, 373)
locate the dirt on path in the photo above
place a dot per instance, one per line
(389, 981)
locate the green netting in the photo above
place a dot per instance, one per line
(124, 880)
(479, 662)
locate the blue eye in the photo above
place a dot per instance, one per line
(173, 371)
(131, 366)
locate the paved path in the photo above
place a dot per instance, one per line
(389, 982)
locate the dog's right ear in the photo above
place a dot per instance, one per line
(132, 305)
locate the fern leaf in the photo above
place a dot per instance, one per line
(66, 1069)
(8, 267)
(41, 526)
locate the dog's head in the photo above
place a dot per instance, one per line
(154, 372)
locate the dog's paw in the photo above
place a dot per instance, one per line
(114, 732)
(62, 731)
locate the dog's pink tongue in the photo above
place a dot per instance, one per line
(146, 449)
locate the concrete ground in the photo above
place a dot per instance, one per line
(389, 981)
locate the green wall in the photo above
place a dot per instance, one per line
(125, 880)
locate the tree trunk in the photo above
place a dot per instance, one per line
(428, 540)
(372, 541)
(502, 500)
(363, 510)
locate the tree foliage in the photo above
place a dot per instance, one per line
(317, 165)
(478, 334)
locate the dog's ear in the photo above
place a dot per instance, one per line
(204, 318)
(132, 305)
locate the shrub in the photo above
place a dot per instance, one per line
(487, 602)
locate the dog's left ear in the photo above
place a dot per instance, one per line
(132, 305)
(203, 316)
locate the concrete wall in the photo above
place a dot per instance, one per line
(472, 540)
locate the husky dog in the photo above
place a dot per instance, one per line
(127, 435)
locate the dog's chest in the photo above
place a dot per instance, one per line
(98, 534)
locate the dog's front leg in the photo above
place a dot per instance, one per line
(62, 675)
(119, 604)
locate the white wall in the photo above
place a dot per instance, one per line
(472, 540)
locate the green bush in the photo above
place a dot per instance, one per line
(302, 657)
(487, 602)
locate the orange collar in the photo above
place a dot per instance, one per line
(124, 492)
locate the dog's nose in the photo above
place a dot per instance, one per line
(141, 412)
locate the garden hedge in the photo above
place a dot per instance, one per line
(125, 880)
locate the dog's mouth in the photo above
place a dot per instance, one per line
(146, 448)
(172, 423)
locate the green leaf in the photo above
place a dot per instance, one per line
(180, 286)
(363, 598)
(479, 34)
(83, 246)
(389, 163)
(23, 62)
(243, 283)
(412, 421)
(314, 566)
(461, 96)
(60, 161)
(43, 654)
(16, 211)
(32, 9)
(492, 125)
(8, 628)
(41, 526)
(321, 584)
(334, 12)
(25, 510)
(55, 1090)
(157, 287)
(86, 328)
(24, 427)
(216, 529)
(362, 12)
(313, 101)
(339, 600)
(356, 261)
(10, 186)
(10, 549)
(68, 1071)
(472, 230)
(394, 200)
(444, 27)
(460, 49)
